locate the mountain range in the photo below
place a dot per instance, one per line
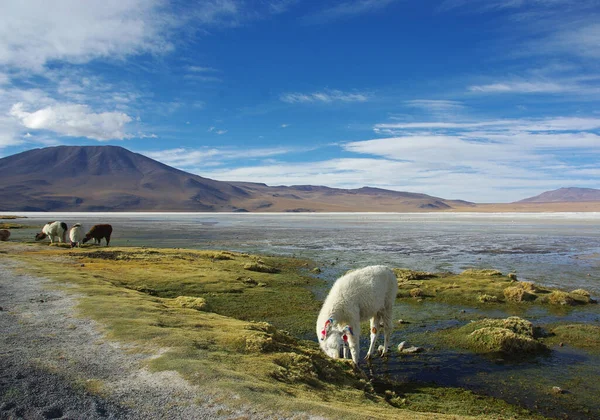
(112, 178)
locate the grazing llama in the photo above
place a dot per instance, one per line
(53, 230)
(76, 235)
(367, 293)
(98, 232)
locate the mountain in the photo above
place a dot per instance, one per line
(111, 178)
(565, 195)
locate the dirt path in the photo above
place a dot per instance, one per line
(50, 360)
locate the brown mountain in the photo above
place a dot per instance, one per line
(111, 178)
(565, 195)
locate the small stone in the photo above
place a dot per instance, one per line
(557, 390)
(82, 265)
(561, 344)
(413, 349)
(401, 346)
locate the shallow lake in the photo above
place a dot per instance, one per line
(553, 249)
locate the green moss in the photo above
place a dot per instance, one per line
(13, 226)
(583, 336)
(484, 272)
(517, 294)
(511, 336)
(143, 297)
(488, 298)
(198, 304)
(558, 297)
(404, 274)
(260, 267)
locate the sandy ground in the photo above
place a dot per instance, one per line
(50, 360)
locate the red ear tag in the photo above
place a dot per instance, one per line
(345, 338)
(323, 335)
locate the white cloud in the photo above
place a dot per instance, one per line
(74, 120)
(438, 108)
(522, 87)
(581, 39)
(197, 159)
(327, 96)
(481, 161)
(34, 32)
(529, 125)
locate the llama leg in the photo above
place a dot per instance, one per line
(107, 240)
(388, 326)
(353, 335)
(374, 333)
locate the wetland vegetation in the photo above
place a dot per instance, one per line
(245, 324)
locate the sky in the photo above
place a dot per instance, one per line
(480, 100)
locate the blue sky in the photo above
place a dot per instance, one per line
(482, 100)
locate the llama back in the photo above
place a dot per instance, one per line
(368, 288)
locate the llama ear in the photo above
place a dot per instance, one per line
(326, 329)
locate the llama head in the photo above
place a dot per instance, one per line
(87, 238)
(333, 339)
(40, 236)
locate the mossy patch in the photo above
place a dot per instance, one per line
(260, 267)
(488, 298)
(404, 274)
(481, 287)
(481, 272)
(583, 336)
(511, 336)
(7, 225)
(242, 345)
(561, 298)
(189, 302)
(518, 294)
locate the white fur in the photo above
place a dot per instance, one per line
(76, 234)
(54, 231)
(367, 293)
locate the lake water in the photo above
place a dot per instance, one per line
(553, 249)
(557, 249)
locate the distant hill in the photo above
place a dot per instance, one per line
(111, 178)
(565, 195)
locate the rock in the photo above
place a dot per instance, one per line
(557, 390)
(408, 350)
(402, 321)
(413, 349)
